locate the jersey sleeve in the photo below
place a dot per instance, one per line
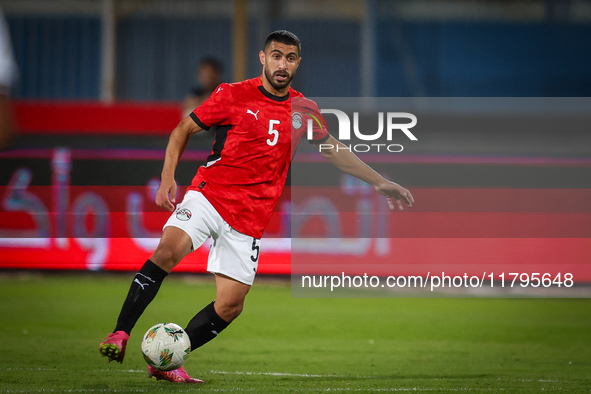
(216, 110)
(310, 114)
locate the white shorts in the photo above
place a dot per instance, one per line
(232, 253)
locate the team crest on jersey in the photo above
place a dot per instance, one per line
(296, 120)
(183, 214)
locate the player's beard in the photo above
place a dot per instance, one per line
(278, 85)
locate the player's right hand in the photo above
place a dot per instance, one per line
(165, 196)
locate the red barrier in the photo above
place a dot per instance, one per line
(117, 228)
(69, 117)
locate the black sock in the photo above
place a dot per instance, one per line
(205, 326)
(143, 289)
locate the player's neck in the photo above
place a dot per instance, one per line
(267, 86)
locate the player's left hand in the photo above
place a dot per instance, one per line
(395, 193)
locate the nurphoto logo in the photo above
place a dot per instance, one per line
(394, 123)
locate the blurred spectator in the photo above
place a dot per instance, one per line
(209, 76)
(8, 73)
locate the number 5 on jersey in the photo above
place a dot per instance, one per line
(273, 132)
(255, 250)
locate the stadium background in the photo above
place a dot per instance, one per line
(101, 82)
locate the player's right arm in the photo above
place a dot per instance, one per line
(177, 142)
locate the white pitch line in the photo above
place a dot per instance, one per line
(299, 375)
(295, 390)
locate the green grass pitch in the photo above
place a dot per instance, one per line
(51, 325)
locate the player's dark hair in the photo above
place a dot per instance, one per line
(213, 63)
(284, 37)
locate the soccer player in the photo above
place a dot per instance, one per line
(233, 196)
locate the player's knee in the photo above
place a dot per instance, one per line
(165, 257)
(229, 310)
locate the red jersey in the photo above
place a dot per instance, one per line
(254, 143)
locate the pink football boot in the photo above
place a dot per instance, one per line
(114, 346)
(178, 375)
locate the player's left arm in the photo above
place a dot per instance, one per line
(348, 162)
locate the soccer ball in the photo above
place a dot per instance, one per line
(166, 346)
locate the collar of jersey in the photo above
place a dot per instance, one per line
(273, 97)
